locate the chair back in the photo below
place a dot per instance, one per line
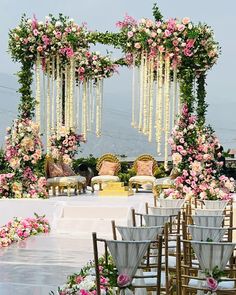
(172, 203)
(217, 204)
(110, 158)
(202, 233)
(209, 212)
(145, 157)
(162, 211)
(139, 233)
(211, 221)
(155, 220)
(212, 254)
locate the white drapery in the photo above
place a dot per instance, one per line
(208, 221)
(209, 212)
(210, 204)
(172, 203)
(127, 256)
(212, 254)
(155, 220)
(139, 233)
(202, 233)
(163, 211)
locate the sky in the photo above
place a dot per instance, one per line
(118, 136)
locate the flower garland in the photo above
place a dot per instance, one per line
(22, 228)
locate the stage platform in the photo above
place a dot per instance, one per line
(42, 263)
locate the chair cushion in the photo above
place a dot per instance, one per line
(108, 168)
(104, 178)
(67, 170)
(222, 285)
(66, 179)
(55, 169)
(142, 179)
(144, 168)
(164, 180)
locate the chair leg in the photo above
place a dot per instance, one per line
(136, 186)
(68, 190)
(100, 186)
(92, 185)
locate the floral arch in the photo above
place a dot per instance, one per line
(170, 60)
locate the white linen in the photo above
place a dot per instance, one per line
(211, 221)
(172, 203)
(139, 233)
(202, 233)
(163, 211)
(217, 204)
(155, 220)
(209, 212)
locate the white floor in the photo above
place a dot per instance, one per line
(40, 264)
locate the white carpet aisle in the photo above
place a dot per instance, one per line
(39, 264)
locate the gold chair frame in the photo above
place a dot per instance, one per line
(106, 157)
(143, 157)
(78, 186)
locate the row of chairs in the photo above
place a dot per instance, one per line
(166, 249)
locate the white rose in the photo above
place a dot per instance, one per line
(40, 23)
(58, 24)
(190, 26)
(29, 21)
(159, 31)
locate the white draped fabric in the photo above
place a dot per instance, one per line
(139, 233)
(212, 254)
(155, 220)
(127, 256)
(202, 233)
(208, 221)
(172, 203)
(164, 211)
(209, 212)
(210, 204)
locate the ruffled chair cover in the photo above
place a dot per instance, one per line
(164, 211)
(139, 233)
(202, 233)
(212, 254)
(218, 204)
(208, 221)
(155, 220)
(127, 256)
(172, 203)
(209, 212)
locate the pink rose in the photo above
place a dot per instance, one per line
(212, 284)
(40, 48)
(180, 27)
(123, 280)
(137, 45)
(186, 20)
(35, 32)
(130, 34)
(167, 33)
(175, 42)
(58, 34)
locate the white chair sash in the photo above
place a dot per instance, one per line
(202, 233)
(155, 220)
(212, 254)
(139, 233)
(217, 204)
(208, 221)
(172, 203)
(163, 211)
(127, 256)
(209, 212)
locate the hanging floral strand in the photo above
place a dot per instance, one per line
(58, 96)
(159, 97)
(140, 125)
(48, 105)
(37, 98)
(167, 109)
(174, 96)
(145, 76)
(53, 95)
(133, 123)
(151, 93)
(84, 109)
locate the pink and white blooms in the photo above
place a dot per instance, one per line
(65, 146)
(22, 228)
(23, 152)
(194, 154)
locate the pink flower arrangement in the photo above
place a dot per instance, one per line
(65, 146)
(212, 284)
(194, 152)
(20, 229)
(23, 152)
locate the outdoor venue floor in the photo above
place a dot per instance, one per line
(39, 264)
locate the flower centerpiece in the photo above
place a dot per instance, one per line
(65, 146)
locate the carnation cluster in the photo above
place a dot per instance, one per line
(23, 153)
(22, 228)
(65, 146)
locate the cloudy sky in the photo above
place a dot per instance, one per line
(102, 15)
